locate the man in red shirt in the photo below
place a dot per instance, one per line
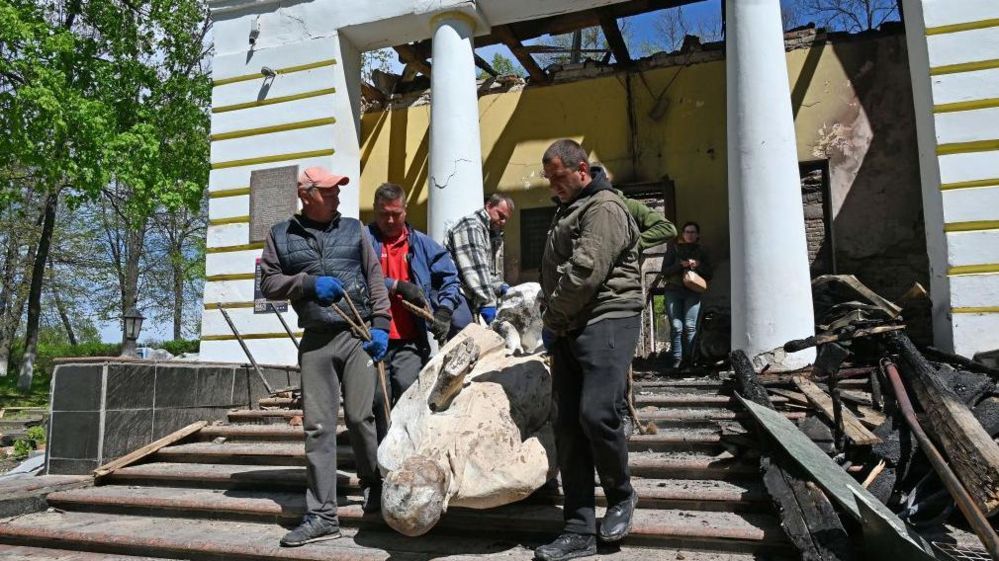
(419, 270)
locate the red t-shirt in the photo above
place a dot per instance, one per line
(394, 258)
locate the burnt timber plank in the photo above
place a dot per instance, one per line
(852, 427)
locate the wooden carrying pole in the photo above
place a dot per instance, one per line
(357, 324)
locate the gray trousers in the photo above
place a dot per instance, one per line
(329, 360)
(403, 363)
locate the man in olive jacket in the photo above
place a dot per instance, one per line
(590, 283)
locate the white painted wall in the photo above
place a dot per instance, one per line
(960, 181)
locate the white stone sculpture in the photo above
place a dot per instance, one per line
(487, 445)
(518, 318)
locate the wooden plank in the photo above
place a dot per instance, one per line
(852, 427)
(485, 66)
(410, 55)
(506, 35)
(149, 449)
(807, 515)
(973, 455)
(793, 396)
(608, 23)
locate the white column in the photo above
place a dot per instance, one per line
(771, 288)
(455, 175)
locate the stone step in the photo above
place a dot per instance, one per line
(661, 441)
(642, 464)
(199, 539)
(24, 553)
(690, 494)
(651, 525)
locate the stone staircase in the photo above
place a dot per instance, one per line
(231, 491)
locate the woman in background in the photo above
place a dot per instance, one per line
(682, 303)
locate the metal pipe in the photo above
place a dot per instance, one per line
(246, 350)
(284, 324)
(975, 517)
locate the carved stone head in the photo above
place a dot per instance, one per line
(414, 496)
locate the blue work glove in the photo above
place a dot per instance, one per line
(503, 288)
(328, 290)
(488, 313)
(378, 344)
(547, 338)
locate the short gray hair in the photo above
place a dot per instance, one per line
(497, 198)
(568, 151)
(390, 192)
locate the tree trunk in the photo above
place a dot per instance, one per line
(134, 239)
(35, 292)
(177, 259)
(6, 297)
(54, 289)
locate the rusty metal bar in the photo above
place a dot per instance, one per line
(979, 523)
(284, 324)
(246, 350)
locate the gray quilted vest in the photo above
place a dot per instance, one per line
(337, 253)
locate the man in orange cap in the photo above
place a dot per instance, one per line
(314, 259)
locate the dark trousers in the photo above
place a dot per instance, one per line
(328, 361)
(589, 375)
(403, 363)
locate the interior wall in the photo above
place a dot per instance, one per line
(852, 99)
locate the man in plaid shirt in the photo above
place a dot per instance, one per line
(474, 243)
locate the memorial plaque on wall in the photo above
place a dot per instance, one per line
(261, 305)
(273, 198)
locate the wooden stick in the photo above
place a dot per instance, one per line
(852, 427)
(418, 311)
(364, 333)
(149, 449)
(630, 399)
(875, 472)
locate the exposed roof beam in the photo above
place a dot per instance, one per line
(411, 54)
(508, 38)
(485, 66)
(613, 35)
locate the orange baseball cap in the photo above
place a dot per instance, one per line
(318, 176)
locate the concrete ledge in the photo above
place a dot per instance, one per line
(24, 493)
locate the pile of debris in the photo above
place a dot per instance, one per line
(914, 430)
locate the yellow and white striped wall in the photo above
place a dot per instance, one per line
(954, 61)
(301, 116)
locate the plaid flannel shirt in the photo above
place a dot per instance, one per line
(470, 245)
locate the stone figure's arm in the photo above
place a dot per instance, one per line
(605, 231)
(275, 284)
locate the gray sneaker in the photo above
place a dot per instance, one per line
(312, 529)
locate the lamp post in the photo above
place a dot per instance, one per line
(133, 325)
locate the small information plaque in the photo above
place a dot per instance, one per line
(262, 305)
(273, 198)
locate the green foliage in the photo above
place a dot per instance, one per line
(102, 90)
(177, 347)
(36, 434)
(503, 66)
(38, 395)
(22, 449)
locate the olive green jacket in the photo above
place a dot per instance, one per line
(589, 270)
(654, 227)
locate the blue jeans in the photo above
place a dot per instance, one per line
(683, 307)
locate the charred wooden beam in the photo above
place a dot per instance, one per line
(485, 66)
(807, 516)
(412, 54)
(608, 23)
(509, 39)
(973, 454)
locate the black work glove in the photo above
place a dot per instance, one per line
(441, 325)
(411, 293)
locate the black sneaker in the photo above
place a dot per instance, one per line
(312, 529)
(567, 546)
(372, 498)
(618, 520)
